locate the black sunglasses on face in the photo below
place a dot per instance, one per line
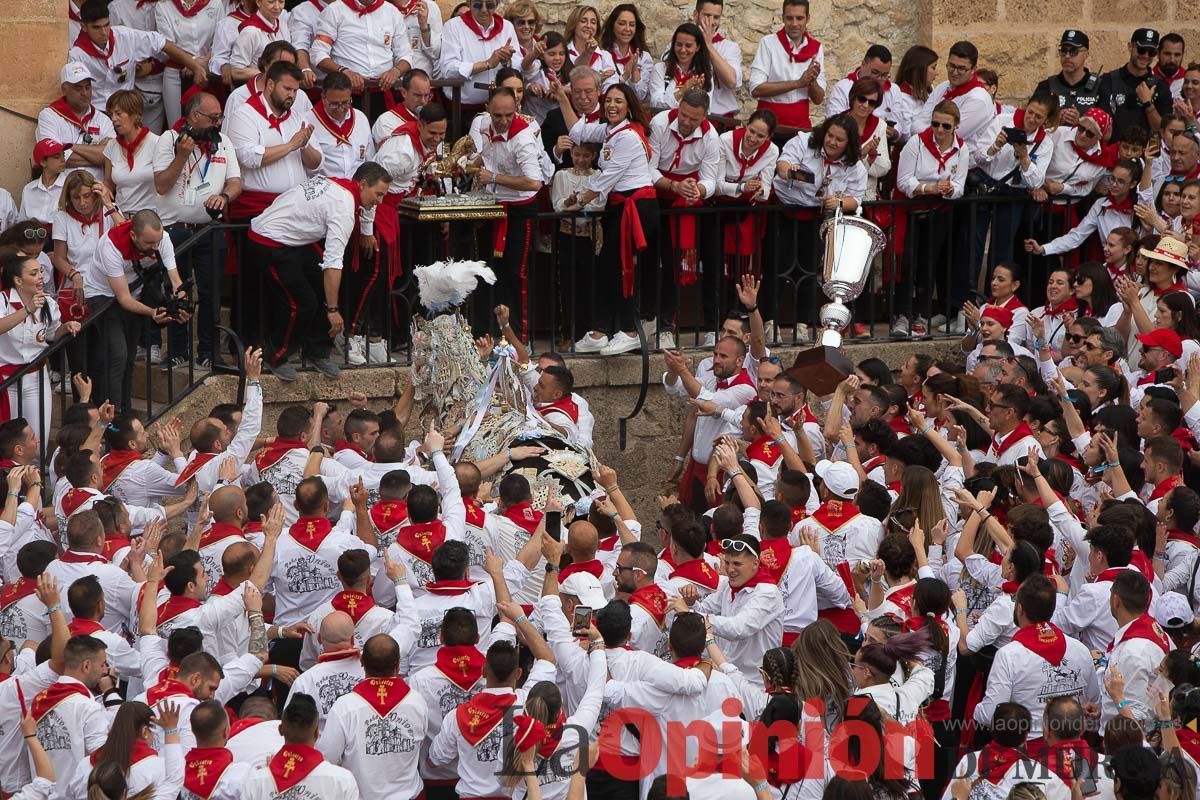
(946, 126)
(1147, 51)
(1069, 52)
(1074, 338)
(873, 102)
(531, 21)
(481, 6)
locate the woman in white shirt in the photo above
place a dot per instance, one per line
(1056, 315)
(29, 322)
(686, 65)
(748, 159)
(818, 171)
(86, 212)
(932, 168)
(1096, 295)
(129, 158)
(584, 48)
(866, 95)
(39, 198)
(624, 38)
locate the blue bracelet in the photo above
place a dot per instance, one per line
(517, 622)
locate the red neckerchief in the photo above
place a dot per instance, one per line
(469, 21)
(1013, 303)
(688, 662)
(959, 91)
(912, 624)
(204, 147)
(1019, 122)
(481, 714)
(680, 77)
(774, 558)
(593, 568)
(1043, 639)
(461, 664)
(552, 736)
(1099, 156)
(139, 752)
(114, 544)
(342, 445)
(48, 698)
(238, 14)
(1176, 535)
(96, 219)
(73, 557)
(619, 59)
(421, 539)
(121, 237)
(64, 110)
(408, 8)
(309, 532)
(651, 599)
(270, 455)
(1066, 306)
(132, 148)
(524, 516)
(873, 463)
(243, 724)
(387, 515)
(745, 163)
(1076, 464)
(16, 591)
(382, 694)
(1189, 740)
(757, 578)
(204, 766)
(221, 588)
(351, 186)
(256, 21)
(1060, 757)
(762, 449)
(609, 544)
(176, 604)
(900, 425)
(741, 379)
(901, 597)
(292, 764)
(799, 514)
(1017, 434)
(340, 131)
(256, 102)
(165, 689)
(413, 133)
(1174, 287)
(926, 137)
(1168, 78)
(697, 136)
(1190, 175)
(450, 588)
(73, 13)
(355, 604)
(1123, 206)
(833, 514)
(594, 116)
(1142, 564)
(564, 405)
(195, 465)
(1162, 487)
(698, 571)
(995, 760)
(803, 415)
(83, 627)
(219, 532)
(197, 7)
(1109, 574)
(114, 463)
(518, 124)
(1145, 627)
(476, 516)
(84, 43)
(339, 655)
(808, 48)
(361, 9)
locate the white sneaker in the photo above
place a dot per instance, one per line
(620, 343)
(803, 334)
(155, 354)
(709, 340)
(356, 352)
(649, 326)
(140, 355)
(900, 328)
(590, 344)
(377, 352)
(771, 330)
(666, 340)
(960, 324)
(938, 322)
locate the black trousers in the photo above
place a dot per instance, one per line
(365, 293)
(575, 257)
(792, 265)
(614, 311)
(111, 346)
(924, 260)
(516, 264)
(298, 320)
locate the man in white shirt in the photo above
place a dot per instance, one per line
(1137, 649)
(85, 543)
(376, 731)
(211, 439)
(363, 40)
(281, 240)
(340, 131)
(975, 104)
(338, 669)
(1013, 438)
(196, 175)
(70, 723)
(74, 122)
(85, 598)
(724, 53)
(474, 46)
(1088, 613)
(22, 615)
(299, 765)
(416, 91)
(846, 534)
(786, 74)
(209, 768)
(634, 574)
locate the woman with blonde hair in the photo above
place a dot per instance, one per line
(583, 46)
(822, 672)
(920, 494)
(527, 20)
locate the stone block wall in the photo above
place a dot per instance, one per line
(35, 50)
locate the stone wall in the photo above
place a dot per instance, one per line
(34, 52)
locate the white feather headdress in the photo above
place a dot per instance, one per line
(446, 284)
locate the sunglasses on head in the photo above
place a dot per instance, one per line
(873, 102)
(946, 126)
(771, 360)
(738, 546)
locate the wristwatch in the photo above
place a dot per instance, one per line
(551, 567)
(332, 310)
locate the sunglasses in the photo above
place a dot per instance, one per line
(946, 126)
(618, 569)
(1090, 346)
(738, 546)
(873, 102)
(1147, 51)
(1075, 338)
(481, 6)
(530, 22)
(1086, 132)
(984, 359)
(1069, 52)
(1079, 280)
(770, 360)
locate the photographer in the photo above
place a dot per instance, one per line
(196, 175)
(134, 250)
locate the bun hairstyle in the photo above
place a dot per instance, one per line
(882, 659)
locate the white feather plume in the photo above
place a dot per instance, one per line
(446, 284)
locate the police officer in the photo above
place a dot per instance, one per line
(1077, 87)
(1132, 94)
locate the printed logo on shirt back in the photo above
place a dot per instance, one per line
(310, 574)
(331, 687)
(12, 624)
(52, 732)
(387, 735)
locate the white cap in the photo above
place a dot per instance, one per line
(1173, 610)
(586, 587)
(74, 72)
(839, 477)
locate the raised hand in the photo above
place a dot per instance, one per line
(434, 441)
(47, 590)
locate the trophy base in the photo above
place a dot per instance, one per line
(821, 368)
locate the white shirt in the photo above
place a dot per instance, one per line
(918, 165)
(238, 97)
(135, 186)
(624, 157)
(400, 157)
(39, 201)
(251, 133)
(369, 44)
(1004, 162)
(202, 176)
(1021, 676)
(1100, 219)
(890, 109)
(193, 34)
(1078, 177)
(739, 392)
(376, 620)
(387, 123)
(601, 61)
(645, 63)
(341, 156)
(163, 771)
(746, 624)
(422, 56)
(442, 696)
(515, 153)
(1087, 613)
(31, 336)
(302, 27)
(24, 619)
(120, 591)
(808, 584)
(856, 539)
(723, 99)
(431, 607)
(223, 38)
(115, 69)
(995, 627)
(255, 744)
(773, 64)
(326, 781)
(1137, 660)
(252, 40)
(303, 579)
(214, 614)
(110, 263)
(83, 241)
(74, 728)
(239, 446)
(330, 678)
(1023, 771)
(821, 180)
(381, 751)
(58, 123)
(697, 153)
(316, 209)
(735, 170)
(976, 109)
(228, 785)
(15, 696)
(462, 48)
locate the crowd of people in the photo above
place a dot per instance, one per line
(981, 570)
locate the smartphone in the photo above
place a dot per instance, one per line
(554, 524)
(1087, 780)
(1016, 135)
(582, 621)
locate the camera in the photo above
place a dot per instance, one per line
(212, 135)
(177, 304)
(1016, 135)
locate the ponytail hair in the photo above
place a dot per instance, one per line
(884, 658)
(108, 782)
(932, 597)
(779, 669)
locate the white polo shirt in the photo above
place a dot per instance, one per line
(253, 36)
(134, 181)
(402, 156)
(369, 37)
(25, 342)
(821, 179)
(203, 175)
(344, 146)
(422, 56)
(82, 239)
(254, 128)
(112, 67)
(113, 260)
(723, 99)
(464, 44)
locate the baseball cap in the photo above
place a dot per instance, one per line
(46, 148)
(74, 72)
(1145, 37)
(586, 587)
(839, 477)
(1173, 611)
(1073, 38)
(1165, 338)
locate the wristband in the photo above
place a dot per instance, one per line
(958, 612)
(709, 642)
(274, 670)
(517, 622)
(751, 310)
(170, 731)
(309, 69)
(1112, 465)
(1162, 724)
(1124, 704)
(614, 516)
(401, 581)
(31, 736)
(53, 608)
(777, 442)
(734, 474)
(1160, 553)
(681, 459)
(1066, 398)
(758, 787)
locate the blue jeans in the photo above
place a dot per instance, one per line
(203, 263)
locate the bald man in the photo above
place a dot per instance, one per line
(337, 671)
(582, 542)
(228, 507)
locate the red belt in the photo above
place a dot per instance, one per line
(697, 471)
(844, 619)
(250, 204)
(789, 638)
(6, 372)
(683, 227)
(790, 115)
(500, 229)
(258, 238)
(632, 235)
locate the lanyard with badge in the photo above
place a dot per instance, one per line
(190, 193)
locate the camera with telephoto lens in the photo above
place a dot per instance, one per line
(212, 135)
(178, 302)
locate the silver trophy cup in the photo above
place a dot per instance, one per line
(851, 245)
